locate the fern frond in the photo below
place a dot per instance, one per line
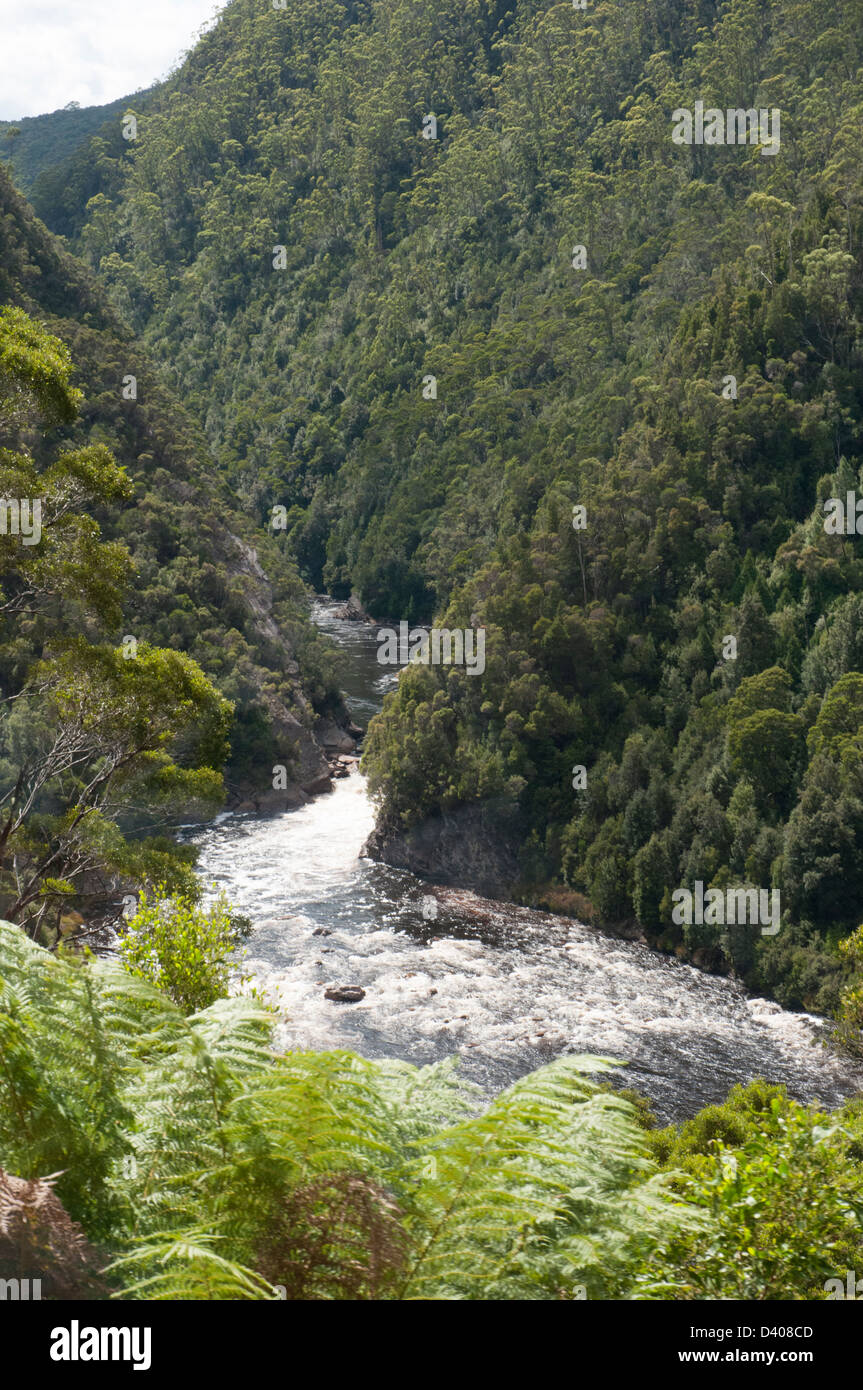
(187, 1267)
(535, 1194)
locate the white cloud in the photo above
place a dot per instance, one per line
(90, 51)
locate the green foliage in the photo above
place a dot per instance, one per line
(574, 1221)
(747, 1112)
(35, 145)
(139, 536)
(34, 371)
(786, 1210)
(602, 387)
(180, 948)
(764, 747)
(770, 690)
(97, 745)
(61, 1103)
(202, 1165)
(208, 1167)
(840, 717)
(99, 738)
(850, 1013)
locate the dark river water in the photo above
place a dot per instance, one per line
(507, 990)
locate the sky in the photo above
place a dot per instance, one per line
(90, 51)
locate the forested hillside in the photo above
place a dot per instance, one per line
(37, 143)
(666, 335)
(177, 562)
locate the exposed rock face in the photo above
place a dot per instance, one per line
(270, 801)
(474, 845)
(310, 773)
(354, 612)
(293, 719)
(333, 738)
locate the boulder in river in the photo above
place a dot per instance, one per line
(345, 994)
(333, 738)
(353, 611)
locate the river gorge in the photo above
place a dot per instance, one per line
(444, 971)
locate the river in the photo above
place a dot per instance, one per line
(507, 989)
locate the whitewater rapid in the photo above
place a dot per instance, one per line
(506, 988)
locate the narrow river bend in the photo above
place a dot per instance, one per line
(506, 988)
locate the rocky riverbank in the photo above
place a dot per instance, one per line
(475, 844)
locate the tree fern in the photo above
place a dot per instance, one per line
(61, 1104)
(211, 1168)
(187, 1266)
(550, 1188)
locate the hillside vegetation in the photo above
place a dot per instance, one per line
(36, 144)
(144, 582)
(691, 378)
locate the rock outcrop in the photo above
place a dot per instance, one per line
(317, 742)
(474, 844)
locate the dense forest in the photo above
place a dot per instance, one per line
(423, 306)
(41, 144)
(665, 336)
(144, 545)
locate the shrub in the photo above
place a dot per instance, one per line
(786, 1210)
(849, 1034)
(181, 948)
